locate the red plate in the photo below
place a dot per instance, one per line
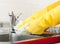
(48, 40)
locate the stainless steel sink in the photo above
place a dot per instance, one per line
(4, 38)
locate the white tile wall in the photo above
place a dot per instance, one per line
(27, 7)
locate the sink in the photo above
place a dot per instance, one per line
(4, 38)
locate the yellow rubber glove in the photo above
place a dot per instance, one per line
(38, 14)
(49, 19)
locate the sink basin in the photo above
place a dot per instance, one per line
(4, 38)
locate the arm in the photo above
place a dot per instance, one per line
(50, 19)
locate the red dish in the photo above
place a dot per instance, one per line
(48, 40)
